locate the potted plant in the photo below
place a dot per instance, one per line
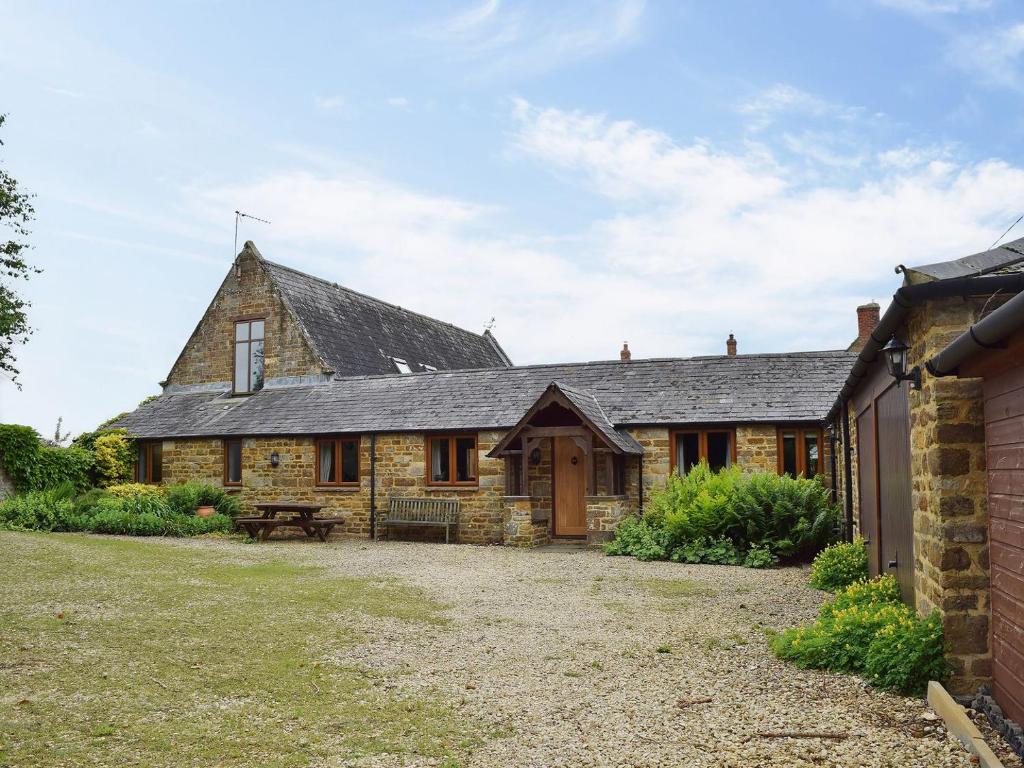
(208, 496)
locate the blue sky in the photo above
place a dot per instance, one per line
(585, 173)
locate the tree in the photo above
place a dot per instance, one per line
(16, 212)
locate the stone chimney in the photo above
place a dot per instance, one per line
(730, 346)
(624, 352)
(867, 319)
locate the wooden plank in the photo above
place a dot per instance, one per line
(1009, 456)
(1004, 432)
(894, 480)
(1009, 405)
(1006, 507)
(1008, 593)
(1006, 481)
(867, 487)
(1009, 532)
(960, 725)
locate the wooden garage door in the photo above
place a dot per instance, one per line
(897, 515)
(1004, 436)
(867, 486)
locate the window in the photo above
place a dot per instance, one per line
(149, 463)
(800, 452)
(337, 461)
(248, 356)
(232, 462)
(401, 365)
(715, 446)
(451, 460)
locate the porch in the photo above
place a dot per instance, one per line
(568, 472)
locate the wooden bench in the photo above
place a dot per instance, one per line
(409, 511)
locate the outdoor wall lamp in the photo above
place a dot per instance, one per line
(896, 362)
(275, 458)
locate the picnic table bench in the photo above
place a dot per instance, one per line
(298, 516)
(412, 511)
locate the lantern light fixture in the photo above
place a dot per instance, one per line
(896, 363)
(275, 458)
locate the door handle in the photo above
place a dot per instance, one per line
(893, 564)
(865, 542)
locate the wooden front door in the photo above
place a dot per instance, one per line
(867, 488)
(569, 488)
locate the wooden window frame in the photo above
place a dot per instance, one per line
(227, 482)
(702, 443)
(147, 446)
(452, 463)
(248, 342)
(337, 442)
(801, 449)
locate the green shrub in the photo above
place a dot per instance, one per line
(48, 510)
(720, 551)
(129, 490)
(867, 630)
(186, 497)
(639, 539)
(904, 656)
(729, 517)
(33, 466)
(115, 458)
(840, 565)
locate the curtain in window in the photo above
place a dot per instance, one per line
(327, 462)
(438, 460)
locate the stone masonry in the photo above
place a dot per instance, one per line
(247, 292)
(949, 495)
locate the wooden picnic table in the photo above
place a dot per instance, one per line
(296, 515)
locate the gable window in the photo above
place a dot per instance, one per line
(149, 463)
(337, 461)
(451, 460)
(248, 356)
(715, 446)
(232, 462)
(800, 452)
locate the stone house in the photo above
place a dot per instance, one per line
(292, 388)
(915, 480)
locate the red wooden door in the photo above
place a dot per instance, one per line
(1004, 439)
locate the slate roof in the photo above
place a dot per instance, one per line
(1008, 258)
(357, 335)
(742, 389)
(587, 404)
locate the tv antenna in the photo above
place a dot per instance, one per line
(489, 324)
(241, 215)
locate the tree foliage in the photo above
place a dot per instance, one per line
(16, 212)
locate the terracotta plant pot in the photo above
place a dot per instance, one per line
(205, 511)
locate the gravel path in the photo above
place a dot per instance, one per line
(577, 659)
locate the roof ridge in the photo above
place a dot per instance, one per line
(353, 291)
(591, 395)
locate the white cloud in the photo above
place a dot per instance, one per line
(994, 56)
(527, 38)
(699, 240)
(782, 98)
(936, 6)
(398, 102)
(330, 103)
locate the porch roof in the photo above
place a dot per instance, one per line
(586, 408)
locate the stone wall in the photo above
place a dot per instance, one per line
(949, 495)
(208, 356)
(757, 448)
(523, 526)
(604, 513)
(6, 485)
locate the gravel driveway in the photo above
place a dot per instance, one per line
(577, 659)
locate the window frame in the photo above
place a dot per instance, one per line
(248, 342)
(452, 482)
(337, 441)
(801, 449)
(226, 480)
(702, 443)
(147, 446)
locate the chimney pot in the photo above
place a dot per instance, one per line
(730, 346)
(624, 353)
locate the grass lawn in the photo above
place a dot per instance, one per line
(124, 652)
